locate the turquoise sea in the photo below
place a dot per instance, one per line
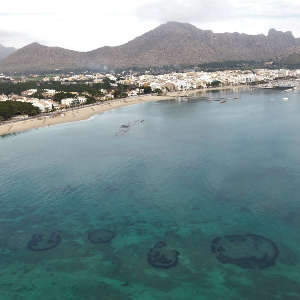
(182, 172)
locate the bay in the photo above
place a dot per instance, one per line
(183, 172)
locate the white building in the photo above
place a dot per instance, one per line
(29, 92)
(67, 101)
(3, 98)
(49, 93)
(73, 101)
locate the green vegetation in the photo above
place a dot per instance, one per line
(62, 95)
(107, 83)
(120, 94)
(293, 59)
(147, 90)
(38, 94)
(9, 109)
(93, 89)
(207, 67)
(158, 91)
(215, 83)
(8, 88)
(90, 100)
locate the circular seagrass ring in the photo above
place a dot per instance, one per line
(248, 251)
(161, 256)
(41, 242)
(100, 236)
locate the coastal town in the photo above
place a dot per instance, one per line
(55, 94)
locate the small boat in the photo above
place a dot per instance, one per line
(285, 99)
(278, 87)
(282, 87)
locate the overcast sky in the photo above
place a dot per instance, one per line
(90, 24)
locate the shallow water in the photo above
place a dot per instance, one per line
(192, 171)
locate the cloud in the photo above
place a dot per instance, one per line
(214, 10)
(186, 10)
(7, 36)
(28, 14)
(16, 39)
(248, 16)
(76, 25)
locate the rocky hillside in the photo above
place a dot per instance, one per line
(169, 44)
(292, 59)
(36, 57)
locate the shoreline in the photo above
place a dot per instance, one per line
(86, 112)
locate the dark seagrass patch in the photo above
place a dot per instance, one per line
(248, 251)
(43, 242)
(161, 256)
(100, 236)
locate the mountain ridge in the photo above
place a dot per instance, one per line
(172, 43)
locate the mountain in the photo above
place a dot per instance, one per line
(184, 44)
(6, 51)
(292, 59)
(36, 57)
(172, 43)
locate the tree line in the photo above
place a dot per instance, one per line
(10, 109)
(93, 89)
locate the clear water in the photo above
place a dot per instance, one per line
(190, 172)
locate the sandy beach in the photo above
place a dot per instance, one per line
(84, 113)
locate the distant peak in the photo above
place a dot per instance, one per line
(35, 44)
(274, 32)
(173, 26)
(178, 24)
